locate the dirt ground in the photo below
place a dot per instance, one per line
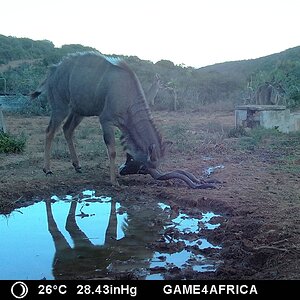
(258, 198)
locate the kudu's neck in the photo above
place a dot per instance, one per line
(140, 133)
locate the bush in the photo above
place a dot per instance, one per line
(259, 137)
(11, 144)
(237, 132)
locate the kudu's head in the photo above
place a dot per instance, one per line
(139, 163)
(140, 138)
(131, 166)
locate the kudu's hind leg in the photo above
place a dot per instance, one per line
(71, 123)
(55, 121)
(109, 139)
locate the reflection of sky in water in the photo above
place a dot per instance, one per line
(122, 223)
(26, 246)
(208, 171)
(204, 268)
(185, 224)
(99, 213)
(177, 259)
(201, 243)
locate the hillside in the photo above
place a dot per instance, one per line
(246, 67)
(24, 62)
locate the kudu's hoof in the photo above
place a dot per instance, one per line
(77, 168)
(118, 188)
(47, 172)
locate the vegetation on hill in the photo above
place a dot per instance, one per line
(226, 84)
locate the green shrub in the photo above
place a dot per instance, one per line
(11, 144)
(259, 137)
(237, 132)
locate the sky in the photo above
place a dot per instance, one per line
(194, 33)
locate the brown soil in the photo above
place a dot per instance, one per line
(258, 198)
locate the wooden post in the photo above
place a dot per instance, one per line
(2, 122)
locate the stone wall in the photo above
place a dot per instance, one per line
(267, 116)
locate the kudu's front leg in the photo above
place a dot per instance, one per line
(55, 121)
(48, 142)
(109, 139)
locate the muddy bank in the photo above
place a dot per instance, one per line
(258, 198)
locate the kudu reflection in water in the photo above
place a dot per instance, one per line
(87, 259)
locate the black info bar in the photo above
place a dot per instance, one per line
(29, 289)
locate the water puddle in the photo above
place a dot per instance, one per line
(208, 171)
(90, 235)
(183, 232)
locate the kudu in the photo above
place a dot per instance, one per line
(269, 93)
(89, 84)
(151, 93)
